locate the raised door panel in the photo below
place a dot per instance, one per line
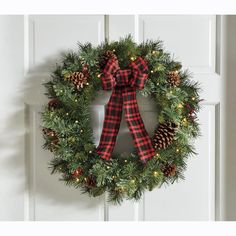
(191, 39)
(193, 198)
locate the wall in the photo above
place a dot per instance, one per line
(228, 119)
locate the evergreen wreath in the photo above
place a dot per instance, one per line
(67, 126)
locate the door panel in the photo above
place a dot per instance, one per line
(193, 198)
(191, 39)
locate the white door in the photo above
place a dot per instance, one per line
(192, 40)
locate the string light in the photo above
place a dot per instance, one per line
(180, 106)
(177, 150)
(113, 50)
(152, 71)
(77, 179)
(132, 181)
(99, 75)
(125, 161)
(155, 173)
(76, 121)
(184, 121)
(67, 113)
(193, 98)
(132, 58)
(76, 100)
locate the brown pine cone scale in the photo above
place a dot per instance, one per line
(169, 170)
(174, 78)
(164, 135)
(78, 79)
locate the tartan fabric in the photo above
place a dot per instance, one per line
(124, 84)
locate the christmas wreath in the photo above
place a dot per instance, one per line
(123, 67)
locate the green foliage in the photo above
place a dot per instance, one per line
(124, 176)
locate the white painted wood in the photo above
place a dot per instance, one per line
(12, 171)
(191, 39)
(121, 26)
(51, 35)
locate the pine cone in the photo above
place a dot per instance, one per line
(54, 140)
(164, 135)
(105, 57)
(85, 70)
(169, 170)
(90, 182)
(49, 132)
(174, 78)
(78, 79)
(54, 104)
(53, 143)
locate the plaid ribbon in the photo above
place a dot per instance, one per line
(124, 84)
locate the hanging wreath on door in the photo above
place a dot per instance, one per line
(123, 67)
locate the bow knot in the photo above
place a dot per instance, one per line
(134, 76)
(124, 84)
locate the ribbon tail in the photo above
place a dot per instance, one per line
(111, 125)
(136, 126)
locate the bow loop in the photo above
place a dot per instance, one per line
(139, 71)
(108, 79)
(134, 76)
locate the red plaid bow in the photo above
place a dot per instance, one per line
(124, 84)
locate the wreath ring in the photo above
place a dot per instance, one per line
(122, 66)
